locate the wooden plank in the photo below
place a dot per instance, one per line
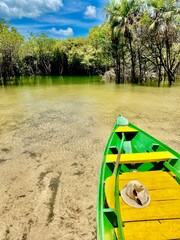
(164, 193)
(125, 129)
(155, 210)
(151, 179)
(140, 157)
(161, 194)
(152, 230)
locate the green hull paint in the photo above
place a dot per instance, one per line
(108, 218)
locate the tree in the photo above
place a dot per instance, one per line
(59, 64)
(130, 13)
(122, 16)
(100, 39)
(144, 34)
(10, 42)
(163, 32)
(45, 47)
(115, 20)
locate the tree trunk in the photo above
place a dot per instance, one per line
(171, 77)
(118, 71)
(140, 66)
(134, 79)
(117, 62)
(160, 75)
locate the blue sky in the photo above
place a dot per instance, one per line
(57, 18)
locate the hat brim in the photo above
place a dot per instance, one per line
(132, 202)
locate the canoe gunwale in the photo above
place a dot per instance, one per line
(106, 171)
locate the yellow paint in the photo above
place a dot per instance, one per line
(161, 185)
(117, 233)
(110, 191)
(161, 218)
(140, 157)
(166, 209)
(151, 179)
(126, 129)
(152, 230)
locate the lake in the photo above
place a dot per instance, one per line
(52, 134)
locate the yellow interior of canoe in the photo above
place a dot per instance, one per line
(161, 218)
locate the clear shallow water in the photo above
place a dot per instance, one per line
(56, 128)
(35, 102)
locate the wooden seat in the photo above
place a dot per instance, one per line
(161, 218)
(125, 129)
(140, 157)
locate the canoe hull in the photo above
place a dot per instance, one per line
(141, 153)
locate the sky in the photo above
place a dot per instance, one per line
(58, 19)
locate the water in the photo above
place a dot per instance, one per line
(52, 135)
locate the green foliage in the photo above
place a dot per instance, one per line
(147, 34)
(10, 42)
(139, 39)
(100, 40)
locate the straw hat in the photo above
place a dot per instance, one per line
(135, 194)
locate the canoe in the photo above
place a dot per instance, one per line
(133, 157)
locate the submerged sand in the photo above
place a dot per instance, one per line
(50, 153)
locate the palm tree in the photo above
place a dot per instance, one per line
(122, 15)
(113, 14)
(130, 13)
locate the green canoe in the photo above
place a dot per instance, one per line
(133, 157)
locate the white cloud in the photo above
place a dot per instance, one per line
(28, 8)
(90, 12)
(65, 33)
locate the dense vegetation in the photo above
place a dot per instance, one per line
(139, 39)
